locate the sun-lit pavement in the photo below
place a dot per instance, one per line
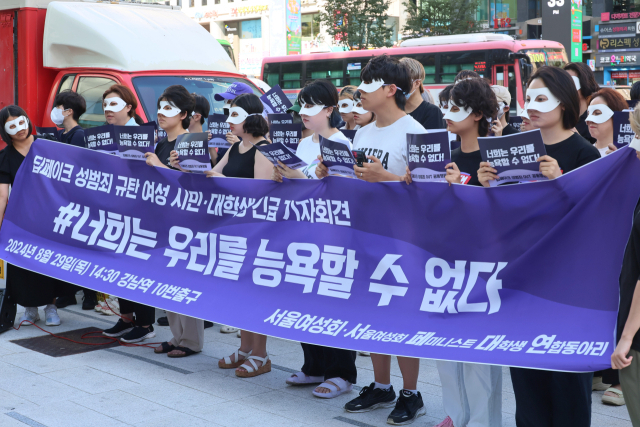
(134, 386)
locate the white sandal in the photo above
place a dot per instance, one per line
(224, 329)
(611, 400)
(338, 387)
(253, 370)
(300, 378)
(225, 363)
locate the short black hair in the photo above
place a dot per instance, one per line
(12, 111)
(69, 99)
(588, 83)
(465, 75)
(477, 95)
(255, 125)
(561, 85)
(181, 98)
(390, 70)
(445, 94)
(322, 92)
(634, 93)
(202, 106)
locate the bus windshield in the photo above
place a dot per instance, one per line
(541, 57)
(150, 88)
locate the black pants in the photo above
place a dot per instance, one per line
(609, 376)
(329, 362)
(145, 315)
(552, 399)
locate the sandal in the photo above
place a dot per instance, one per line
(224, 329)
(300, 378)
(165, 347)
(613, 400)
(185, 352)
(337, 386)
(253, 370)
(227, 364)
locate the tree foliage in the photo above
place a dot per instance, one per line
(440, 17)
(357, 24)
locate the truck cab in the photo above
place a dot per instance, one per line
(50, 46)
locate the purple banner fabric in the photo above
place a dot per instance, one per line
(515, 157)
(429, 153)
(500, 275)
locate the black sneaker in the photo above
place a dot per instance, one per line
(89, 301)
(163, 321)
(119, 329)
(371, 398)
(138, 333)
(408, 407)
(208, 324)
(65, 301)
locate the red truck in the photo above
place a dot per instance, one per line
(49, 46)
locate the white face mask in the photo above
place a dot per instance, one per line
(358, 109)
(168, 110)
(458, 116)
(576, 81)
(605, 113)
(345, 105)
(542, 106)
(525, 114)
(312, 111)
(16, 125)
(56, 116)
(114, 104)
(372, 87)
(444, 108)
(240, 117)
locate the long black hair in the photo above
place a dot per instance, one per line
(322, 92)
(12, 111)
(255, 125)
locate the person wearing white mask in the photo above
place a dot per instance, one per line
(345, 107)
(119, 105)
(600, 119)
(424, 112)
(68, 106)
(504, 101)
(28, 289)
(361, 116)
(585, 82)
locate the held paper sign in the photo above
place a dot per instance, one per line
(515, 157)
(193, 153)
(622, 132)
(287, 134)
(134, 141)
(350, 134)
(337, 157)
(219, 128)
(50, 133)
(429, 153)
(154, 126)
(102, 138)
(516, 122)
(278, 151)
(280, 119)
(275, 101)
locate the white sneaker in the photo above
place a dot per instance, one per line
(238, 334)
(228, 329)
(51, 315)
(30, 315)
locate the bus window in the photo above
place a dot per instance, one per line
(330, 70)
(429, 64)
(511, 75)
(291, 75)
(272, 74)
(353, 72)
(452, 63)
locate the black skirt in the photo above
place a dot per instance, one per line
(33, 289)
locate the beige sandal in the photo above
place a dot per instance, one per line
(611, 400)
(253, 370)
(227, 364)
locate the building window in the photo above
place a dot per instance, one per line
(310, 26)
(626, 6)
(204, 3)
(251, 29)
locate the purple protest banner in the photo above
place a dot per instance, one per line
(622, 132)
(101, 138)
(429, 153)
(134, 141)
(350, 134)
(278, 151)
(515, 157)
(279, 119)
(50, 133)
(287, 134)
(219, 128)
(482, 275)
(337, 157)
(192, 152)
(275, 101)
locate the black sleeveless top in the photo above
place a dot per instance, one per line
(241, 165)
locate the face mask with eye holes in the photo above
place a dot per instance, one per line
(358, 109)
(115, 104)
(459, 115)
(604, 113)
(312, 111)
(168, 110)
(16, 125)
(240, 115)
(546, 106)
(345, 106)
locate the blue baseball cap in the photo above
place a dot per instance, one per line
(233, 91)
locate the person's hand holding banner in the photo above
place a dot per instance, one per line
(453, 174)
(549, 167)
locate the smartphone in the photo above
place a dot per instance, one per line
(360, 156)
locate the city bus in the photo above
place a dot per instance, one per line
(496, 57)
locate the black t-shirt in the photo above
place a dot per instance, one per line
(74, 137)
(164, 149)
(10, 161)
(241, 165)
(429, 116)
(509, 130)
(468, 163)
(629, 276)
(572, 153)
(583, 129)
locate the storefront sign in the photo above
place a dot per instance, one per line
(576, 31)
(621, 43)
(607, 16)
(245, 10)
(617, 30)
(294, 27)
(250, 56)
(607, 60)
